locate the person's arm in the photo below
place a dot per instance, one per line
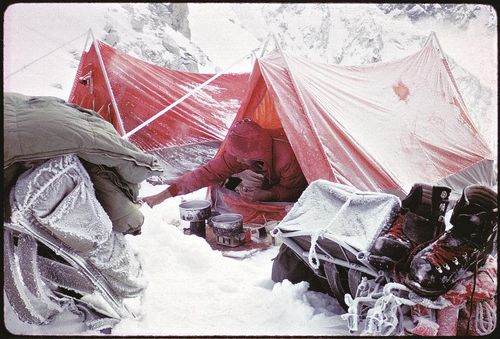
(213, 172)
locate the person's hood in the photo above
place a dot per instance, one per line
(247, 140)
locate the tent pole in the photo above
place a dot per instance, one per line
(121, 128)
(301, 99)
(89, 34)
(448, 70)
(184, 97)
(265, 46)
(452, 78)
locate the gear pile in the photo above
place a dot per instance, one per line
(447, 278)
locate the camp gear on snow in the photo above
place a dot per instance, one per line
(196, 212)
(329, 233)
(421, 221)
(40, 128)
(439, 266)
(470, 309)
(228, 229)
(283, 177)
(259, 212)
(55, 204)
(229, 224)
(127, 91)
(331, 229)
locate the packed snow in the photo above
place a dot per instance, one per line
(193, 290)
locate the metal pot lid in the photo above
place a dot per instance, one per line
(227, 218)
(195, 204)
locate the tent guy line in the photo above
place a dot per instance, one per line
(187, 95)
(43, 56)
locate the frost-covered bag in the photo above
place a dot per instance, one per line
(58, 197)
(341, 213)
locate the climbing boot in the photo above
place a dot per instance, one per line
(421, 220)
(438, 267)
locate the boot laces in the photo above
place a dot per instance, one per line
(396, 228)
(444, 258)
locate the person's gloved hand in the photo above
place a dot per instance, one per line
(156, 199)
(249, 180)
(255, 194)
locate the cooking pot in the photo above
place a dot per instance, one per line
(195, 210)
(227, 225)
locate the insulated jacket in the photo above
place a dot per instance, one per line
(38, 128)
(246, 140)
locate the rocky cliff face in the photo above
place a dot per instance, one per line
(162, 35)
(459, 15)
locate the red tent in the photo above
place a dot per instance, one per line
(127, 91)
(377, 127)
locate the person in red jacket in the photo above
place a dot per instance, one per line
(267, 166)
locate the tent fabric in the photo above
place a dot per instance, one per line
(227, 201)
(379, 127)
(192, 130)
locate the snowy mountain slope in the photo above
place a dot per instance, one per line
(43, 42)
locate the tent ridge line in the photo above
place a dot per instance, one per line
(108, 85)
(301, 99)
(433, 37)
(455, 85)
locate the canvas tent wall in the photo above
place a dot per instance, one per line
(377, 127)
(127, 92)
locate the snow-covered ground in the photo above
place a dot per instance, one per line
(192, 289)
(196, 291)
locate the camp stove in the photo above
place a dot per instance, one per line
(196, 212)
(228, 229)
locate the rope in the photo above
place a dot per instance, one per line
(472, 299)
(485, 322)
(43, 56)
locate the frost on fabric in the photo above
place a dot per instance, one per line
(343, 212)
(59, 196)
(22, 294)
(119, 264)
(57, 199)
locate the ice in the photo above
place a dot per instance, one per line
(119, 264)
(344, 213)
(59, 195)
(30, 308)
